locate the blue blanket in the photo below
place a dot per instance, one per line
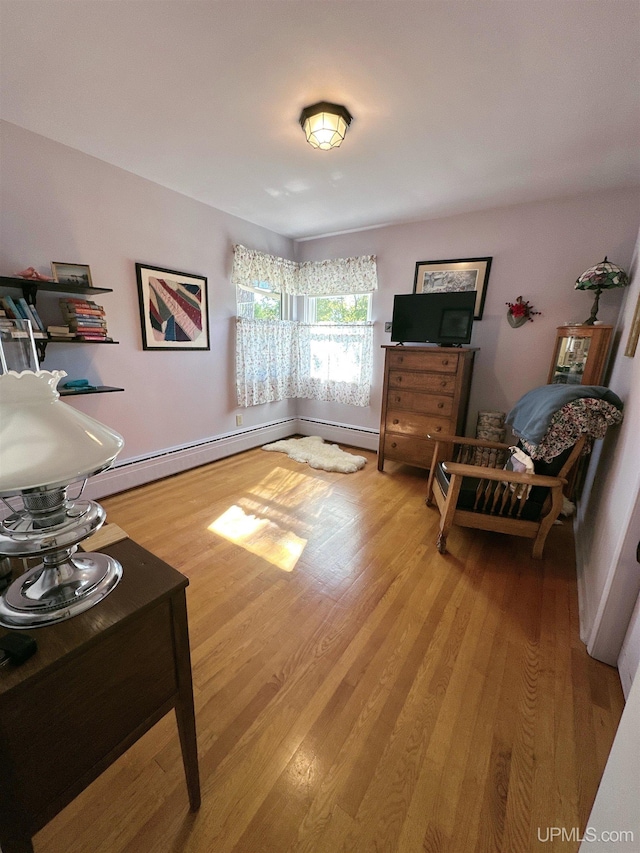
(531, 415)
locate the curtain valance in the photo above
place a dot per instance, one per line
(258, 271)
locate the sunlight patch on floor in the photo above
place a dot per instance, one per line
(266, 539)
(288, 489)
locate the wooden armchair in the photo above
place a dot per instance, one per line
(472, 489)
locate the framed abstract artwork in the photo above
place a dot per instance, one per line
(173, 309)
(454, 275)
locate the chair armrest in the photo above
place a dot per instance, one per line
(499, 474)
(461, 439)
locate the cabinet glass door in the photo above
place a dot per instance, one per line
(573, 352)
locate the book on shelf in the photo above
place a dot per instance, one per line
(79, 305)
(78, 320)
(31, 313)
(11, 308)
(90, 330)
(60, 331)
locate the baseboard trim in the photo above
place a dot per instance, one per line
(165, 463)
(583, 607)
(363, 437)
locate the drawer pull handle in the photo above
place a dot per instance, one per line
(399, 378)
(445, 361)
(393, 444)
(396, 421)
(441, 405)
(398, 399)
(400, 359)
(438, 429)
(444, 383)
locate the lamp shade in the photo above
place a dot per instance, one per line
(44, 441)
(45, 445)
(602, 276)
(325, 125)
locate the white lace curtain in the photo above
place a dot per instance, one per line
(280, 359)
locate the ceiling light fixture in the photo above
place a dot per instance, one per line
(325, 124)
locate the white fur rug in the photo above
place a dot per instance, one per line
(313, 450)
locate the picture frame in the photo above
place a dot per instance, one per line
(634, 332)
(78, 275)
(173, 309)
(453, 275)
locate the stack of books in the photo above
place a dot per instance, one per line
(19, 309)
(60, 331)
(85, 318)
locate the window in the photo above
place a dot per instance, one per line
(352, 308)
(329, 356)
(258, 303)
(335, 348)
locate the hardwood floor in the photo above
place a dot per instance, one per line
(355, 690)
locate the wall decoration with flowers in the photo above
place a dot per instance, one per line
(519, 312)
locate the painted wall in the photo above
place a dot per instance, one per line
(608, 523)
(614, 822)
(61, 205)
(538, 252)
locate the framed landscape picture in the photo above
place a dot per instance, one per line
(452, 276)
(78, 275)
(173, 309)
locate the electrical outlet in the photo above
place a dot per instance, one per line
(238, 420)
(387, 327)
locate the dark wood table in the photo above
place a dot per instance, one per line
(97, 683)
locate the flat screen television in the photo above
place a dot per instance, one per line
(436, 318)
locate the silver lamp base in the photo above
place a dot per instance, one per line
(58, 589)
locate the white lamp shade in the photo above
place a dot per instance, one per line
(44, 441)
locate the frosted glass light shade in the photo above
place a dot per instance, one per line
(45, 445)
(325, 125)
(44, 441)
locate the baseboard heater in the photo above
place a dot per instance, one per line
(145, 469)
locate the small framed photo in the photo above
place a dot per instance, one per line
(78, 275)
(173, 309)
(452, 276)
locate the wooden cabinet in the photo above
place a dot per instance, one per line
(426, 390)
(580, 355)
(96, 684)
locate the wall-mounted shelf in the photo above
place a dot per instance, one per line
(75, 341)
(30, 289)
(31, 286)
(76, 392)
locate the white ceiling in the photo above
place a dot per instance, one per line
(457, 106)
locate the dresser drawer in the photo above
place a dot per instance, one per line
(440, 383)
(424, 360)
(413, 451)
(428, 404)
(414, 423)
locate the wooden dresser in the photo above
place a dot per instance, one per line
(426, 390)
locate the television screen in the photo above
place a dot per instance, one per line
(436, 318)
